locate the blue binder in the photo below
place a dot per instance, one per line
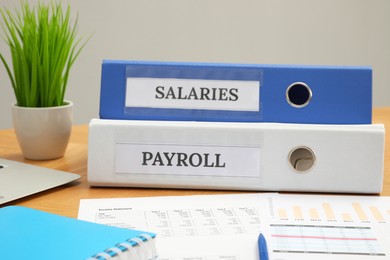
(142, 90)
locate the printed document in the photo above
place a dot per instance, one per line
(216, 227)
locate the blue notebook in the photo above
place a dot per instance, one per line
(32, 234)
(177, 91)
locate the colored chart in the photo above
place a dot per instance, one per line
(343, 240)
(329, 225)
(351, 209)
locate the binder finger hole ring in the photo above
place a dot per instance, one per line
(302, 159)
(298, 94)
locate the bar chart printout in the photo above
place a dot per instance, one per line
(330, 225)
(328, 209)
(216, 227)
(342, 240)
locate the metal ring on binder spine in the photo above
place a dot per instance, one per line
(298, 94)
(302, 159)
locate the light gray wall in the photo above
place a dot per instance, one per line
(317, 32)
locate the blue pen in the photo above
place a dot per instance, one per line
(262, 245)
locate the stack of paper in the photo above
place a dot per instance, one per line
(220, 227)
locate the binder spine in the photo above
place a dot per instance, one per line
(182, 91)
(142, 247)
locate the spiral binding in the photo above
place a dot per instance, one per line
(126, 250)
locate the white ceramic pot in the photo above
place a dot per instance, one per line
(43, 132)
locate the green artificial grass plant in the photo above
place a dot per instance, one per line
(43, 45)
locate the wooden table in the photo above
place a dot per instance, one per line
(64, 200)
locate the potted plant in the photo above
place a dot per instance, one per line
(43, 44)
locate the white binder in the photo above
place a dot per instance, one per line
(237, 156)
